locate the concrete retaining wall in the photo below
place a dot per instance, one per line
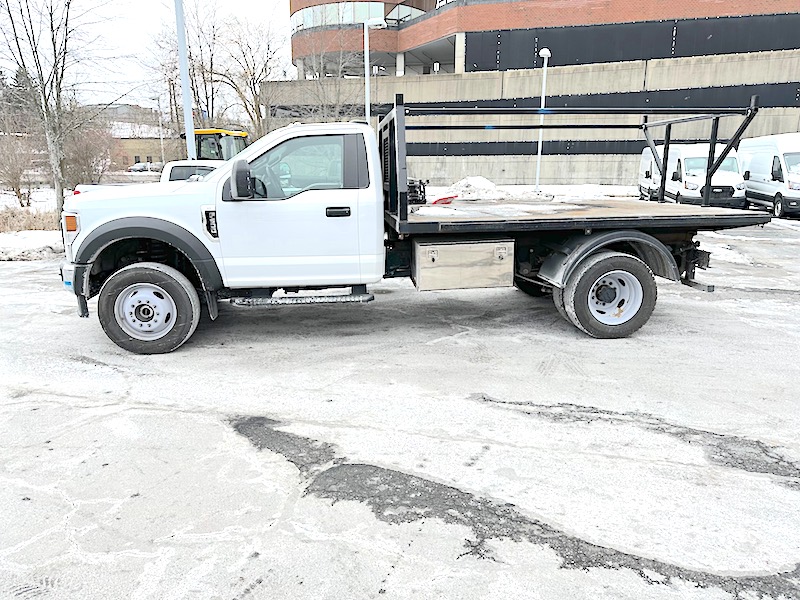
(758, 68)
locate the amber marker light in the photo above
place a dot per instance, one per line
(71, 222)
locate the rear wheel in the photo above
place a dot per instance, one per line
(148, 308)
(610, 295)
(777, 207)
(558, 300)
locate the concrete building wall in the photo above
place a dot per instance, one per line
(582, 85)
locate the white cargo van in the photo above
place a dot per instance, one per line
(686, 176)
(771, 168)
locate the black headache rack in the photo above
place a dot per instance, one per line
(397, 197)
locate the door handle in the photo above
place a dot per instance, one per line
(337, 211)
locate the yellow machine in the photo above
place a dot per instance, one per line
(219, 144)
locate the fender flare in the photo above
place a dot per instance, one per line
(557, 267)
(148, 227)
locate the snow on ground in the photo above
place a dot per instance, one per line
(30, 245)
(468, 444)
(42, 199)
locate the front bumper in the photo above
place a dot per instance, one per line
(791, 205)
(735, 202)
(74, 279)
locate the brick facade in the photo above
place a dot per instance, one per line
(524, 14)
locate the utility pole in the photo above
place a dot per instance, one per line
(186, 90)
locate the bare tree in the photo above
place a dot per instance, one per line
(252, 57)
(40, 35)
(204, 41)
(16, 158)
(331, 94)
(88, 154)
(20, 139)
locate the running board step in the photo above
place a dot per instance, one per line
(283, 300)
(696, 284)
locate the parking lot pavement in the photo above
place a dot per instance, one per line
(466, 444)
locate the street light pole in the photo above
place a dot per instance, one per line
(374, 23)
(545, 54)
(186, 91)
(366, 71)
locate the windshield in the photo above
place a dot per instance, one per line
(792, 162)
(697, 166)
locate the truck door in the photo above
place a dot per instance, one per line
(301, 229)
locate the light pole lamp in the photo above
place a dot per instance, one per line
(545, 54)
(374, 23)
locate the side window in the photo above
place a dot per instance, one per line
(777, 171)
(300, 164)
(209, 148)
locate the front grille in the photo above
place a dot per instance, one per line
(719, 191)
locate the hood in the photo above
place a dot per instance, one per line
(140, 193)
(720, 178)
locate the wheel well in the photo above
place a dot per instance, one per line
(125, 252)
(645, 253)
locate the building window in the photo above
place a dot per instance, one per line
(137, 158)
(149, 159)
(351, 13)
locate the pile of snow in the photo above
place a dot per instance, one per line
(42, 200)
(475, 188)
(31, 245)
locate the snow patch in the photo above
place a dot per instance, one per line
(726, 253)
(475, 188)
(42, 200)
(30, 245)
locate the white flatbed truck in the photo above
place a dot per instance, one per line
(313, 208)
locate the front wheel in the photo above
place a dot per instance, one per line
(148, 308)
(610, 295)
(777, 207)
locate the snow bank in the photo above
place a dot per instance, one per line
(42, 200)
(475, 188)
(31, 245)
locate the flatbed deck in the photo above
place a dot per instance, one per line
(563, 214)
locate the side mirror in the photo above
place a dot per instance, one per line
(647, 174)
(675, 176)
(241, 183)
(777, 176)
(746, 176)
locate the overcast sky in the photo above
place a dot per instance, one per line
(123, 42)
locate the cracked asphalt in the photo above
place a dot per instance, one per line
(464, 444)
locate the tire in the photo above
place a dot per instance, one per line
(148, 308)
(610, 295)
(778, 210)
(558, 300)
(529, 287)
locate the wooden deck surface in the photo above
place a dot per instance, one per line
(567, 209)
